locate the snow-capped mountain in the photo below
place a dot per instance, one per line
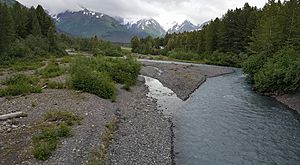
(88, 23)
(149, 26)
(186, 26)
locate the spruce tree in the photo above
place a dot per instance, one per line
(7, 32)
(34, 26)
(135, 44)
(51, 39)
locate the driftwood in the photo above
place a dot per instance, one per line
(12, 115)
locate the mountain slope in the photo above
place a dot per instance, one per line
(148, 26)
(8, 2)
(186, 26)
(87, 23)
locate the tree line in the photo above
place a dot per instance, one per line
(30, 33)
(26, 32)
(248, 37)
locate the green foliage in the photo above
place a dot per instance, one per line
(55, 85)
(96, 75)
(51, 70)
(20, 85)
(146, 45)
(182, 55)
(62, 116)
(254, 63)
(85, 78)
(248, 34)
(280, 74)
(92, 45)
(17, 64)
(46, 141)
(123, 71)
(26, 33)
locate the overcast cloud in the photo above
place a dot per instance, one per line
(164, 11)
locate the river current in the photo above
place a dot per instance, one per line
(225, 122)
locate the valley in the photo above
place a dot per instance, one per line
(117, 83)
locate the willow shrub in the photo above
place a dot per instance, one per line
(97, 75)
(281, 74)
(85, 78)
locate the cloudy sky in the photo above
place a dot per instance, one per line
(164, 11)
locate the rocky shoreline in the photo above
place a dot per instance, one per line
(291, 100)
(183, 79)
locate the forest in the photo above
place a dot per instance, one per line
(29, 33)
(264, 42)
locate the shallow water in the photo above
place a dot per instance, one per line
(225, 122)
(167, 100)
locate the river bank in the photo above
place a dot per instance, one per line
(182, 78)
(291, 100)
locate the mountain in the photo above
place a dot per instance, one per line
(8, 2)
(203, 24)
(86, 23)
(186, 26)
(147, 26)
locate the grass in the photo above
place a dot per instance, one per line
(20, 84)
(55, 85)
(51, 70)
(23, 64)
(46, 141)
(100, 156)
(62, 116)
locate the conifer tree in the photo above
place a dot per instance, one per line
(7, 32)
(33, 25)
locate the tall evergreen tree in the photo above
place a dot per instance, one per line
(33, 25)
(135, 43)
(20, 17)
(7, 32)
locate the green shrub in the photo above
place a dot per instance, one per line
(20, 85)
(23, 65)
(281, 74)
(84, 78)
(253, 64)
(52, 70)
(62, 116)
(55, 85)
(95, 75)
(47, 139)
(123, 71)
(20, 79)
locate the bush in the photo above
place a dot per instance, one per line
(95, 75)
(55, 85)
(52, 70)
(85, 78)
(123, 71)
(19, 64)
(225, 59)
(253, 64)
(281, 74)
(181, 55)
(20, 85)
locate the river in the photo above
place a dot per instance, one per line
(225, 122)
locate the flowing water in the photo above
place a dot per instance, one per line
(225, 122)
